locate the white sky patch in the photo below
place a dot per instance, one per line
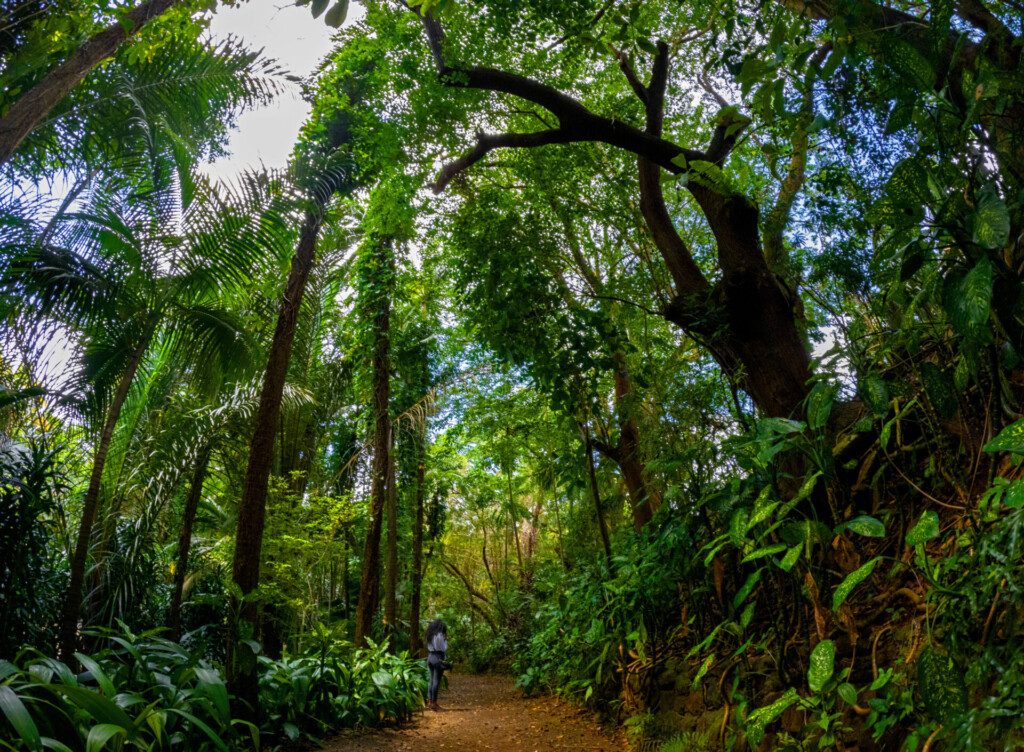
(298, 42)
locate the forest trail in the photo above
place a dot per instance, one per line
(489, 713)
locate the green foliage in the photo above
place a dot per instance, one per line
(31, 488)
(332, 685)
(583, 638)
(146, 692)
(141, 692)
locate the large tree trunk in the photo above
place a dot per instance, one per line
(415, 638)
(188, 518)
(391, 572)
(369, 581)
(252, 508)
(68, 635)
(33, 106)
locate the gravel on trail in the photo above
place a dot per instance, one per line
(489, 713)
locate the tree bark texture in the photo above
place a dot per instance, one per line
(68, 635)
(188, 518)
(32, 107)
(595, 493)
(415, 637)
(252, 509)
(369, 581)
(391, 571)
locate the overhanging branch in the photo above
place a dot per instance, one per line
(486, 143)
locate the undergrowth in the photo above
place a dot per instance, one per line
(144, 692)
(905, 629)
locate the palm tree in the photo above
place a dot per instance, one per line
(115, 275)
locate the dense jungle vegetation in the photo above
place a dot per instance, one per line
(672, 351)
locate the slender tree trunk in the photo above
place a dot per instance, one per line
(369, 581)
(645, 498)
(391, 572)
(32, 107)
(188, 517)
(602, 525)
(68, 637)
(515, 524)
(415, 638)
(344, 579)
(252, 508)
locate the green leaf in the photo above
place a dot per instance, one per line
(791, 557)
(1014, 495)
(875, 393)
(106, 686)
(99, 707)
(764, 551)
(100, 734)
(822, 665)
(748, 586)
(819, 404)
(866, 525)
(848, 692)
(1010, 439)
(927, 527)
(967, 300)
(210, 733)
(16, 712)
(336, 16)
(319, 6)
(212, 685)
(704, 668)
(759, 719)
(991, 219)
(852, 580)
(942, 686)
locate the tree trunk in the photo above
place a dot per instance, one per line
(602, 525)
(415, 638)
(369, 581)
(514, 519)
(645, 498)
(391, 572)
(252, 508)
(68, 636)
(35, 105)
(188, 517)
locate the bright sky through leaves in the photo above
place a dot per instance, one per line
(298, 42)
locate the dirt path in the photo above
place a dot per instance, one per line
(488, 713)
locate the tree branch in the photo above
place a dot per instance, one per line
(486, 143)
(576, 122)
(979, 16)
(627, 70)
(776, 219)
(686, 276)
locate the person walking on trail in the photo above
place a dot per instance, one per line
(437, 653)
